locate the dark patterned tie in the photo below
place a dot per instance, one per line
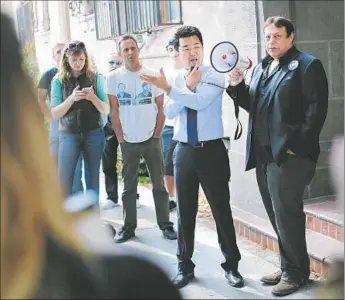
(192, 125)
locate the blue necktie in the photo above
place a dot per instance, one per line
(192, 126)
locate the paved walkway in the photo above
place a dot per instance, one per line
(210, 282)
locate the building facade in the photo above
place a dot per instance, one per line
(319, 31)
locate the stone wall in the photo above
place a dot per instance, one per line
(320, 32)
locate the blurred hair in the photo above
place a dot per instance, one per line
(31, 200)
(73, 49)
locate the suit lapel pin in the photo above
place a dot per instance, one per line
(293, 65)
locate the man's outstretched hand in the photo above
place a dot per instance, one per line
(159, 81)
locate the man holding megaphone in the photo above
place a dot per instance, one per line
(200, 154)
(287, 101)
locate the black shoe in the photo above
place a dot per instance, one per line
(125, 235)
(234, 278)
(172, 205)
(170, 233)
(182, 279)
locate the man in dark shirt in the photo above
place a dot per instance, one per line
(44, 88)
(287, 101)
(109, 156)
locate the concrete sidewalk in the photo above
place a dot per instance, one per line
(210, 282)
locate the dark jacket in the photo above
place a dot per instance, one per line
(83, 116)
(297, 106)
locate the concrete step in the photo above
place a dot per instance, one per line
(325, 218)
(321, 249)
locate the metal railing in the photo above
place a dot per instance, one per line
(115, 18)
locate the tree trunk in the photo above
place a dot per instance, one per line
(25, 18)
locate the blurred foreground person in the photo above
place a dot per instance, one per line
(40, 251)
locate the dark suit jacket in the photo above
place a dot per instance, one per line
(297, 106)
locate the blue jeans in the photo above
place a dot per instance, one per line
(72, 146)
(168, 147)
(78, 175)
(54, 150)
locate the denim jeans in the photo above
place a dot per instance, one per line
(54, 150)
(72, 145)
(168, 147)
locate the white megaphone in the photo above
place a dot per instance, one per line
(224, 58)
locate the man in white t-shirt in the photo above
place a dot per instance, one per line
(137, 118)
(168, 144)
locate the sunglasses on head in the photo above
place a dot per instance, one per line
(76, 45)
(115, 62)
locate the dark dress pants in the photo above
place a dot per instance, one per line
(109, 160)
(282, 189)
(208, 166)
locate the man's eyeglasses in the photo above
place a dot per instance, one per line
(115, 62)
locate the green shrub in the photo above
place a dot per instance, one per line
(144, 179)
(30, 63)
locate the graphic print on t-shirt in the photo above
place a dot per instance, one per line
(123, 97)
(145, 97)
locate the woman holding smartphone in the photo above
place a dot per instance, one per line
(78, 101)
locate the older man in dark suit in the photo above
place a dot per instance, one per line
(287, 101)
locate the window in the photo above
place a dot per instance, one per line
(115, 18)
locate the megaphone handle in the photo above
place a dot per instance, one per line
(238, 131)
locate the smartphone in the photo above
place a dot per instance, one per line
(87, 89)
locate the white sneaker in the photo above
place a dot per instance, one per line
(108, 204)
(138, 203)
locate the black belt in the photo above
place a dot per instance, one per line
(201, 144)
